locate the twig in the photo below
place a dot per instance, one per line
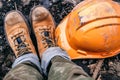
(15, 6)
(34, 4)
(99, 77)
(97, 69)
(92, 67)
(74, 2)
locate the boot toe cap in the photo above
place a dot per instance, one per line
(39, 13)
(13, 18)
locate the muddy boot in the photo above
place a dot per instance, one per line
(54, 61)
(17, 34)
(43, 27)
(26, 66)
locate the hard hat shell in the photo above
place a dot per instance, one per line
(91, 30)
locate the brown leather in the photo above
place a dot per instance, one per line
(42, 21)
(16, 28)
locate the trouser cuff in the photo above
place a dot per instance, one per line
(49, 54)
(27, 57)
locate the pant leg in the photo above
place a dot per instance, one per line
(62, 69)
(57, 65)
(25, 68)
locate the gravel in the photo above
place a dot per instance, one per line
(59, 9)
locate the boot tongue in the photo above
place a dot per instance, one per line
(46, 33)
(21, 44)
(19, 41)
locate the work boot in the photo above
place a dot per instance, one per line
(43, 27)
(17, 34)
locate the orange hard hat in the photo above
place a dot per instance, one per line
(91, 30)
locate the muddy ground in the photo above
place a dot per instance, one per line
(59, 8)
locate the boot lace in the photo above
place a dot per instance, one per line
(20, 43)
(47, 37)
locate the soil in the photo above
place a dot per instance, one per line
(59, 9)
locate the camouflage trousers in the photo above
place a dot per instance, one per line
(58, 69)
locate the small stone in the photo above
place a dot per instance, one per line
(1, 4)
(110, 63)
(25, 2)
